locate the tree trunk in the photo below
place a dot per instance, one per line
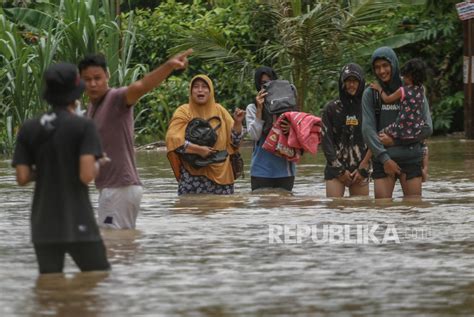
(468, 76)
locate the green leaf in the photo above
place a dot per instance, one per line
(394, 41)
(35, 20)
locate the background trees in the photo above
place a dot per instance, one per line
(34, 36)
(306, 41)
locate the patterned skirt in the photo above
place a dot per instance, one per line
(190, 184)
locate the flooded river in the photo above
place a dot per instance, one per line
(264, 254)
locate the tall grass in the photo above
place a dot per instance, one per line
(32, 38)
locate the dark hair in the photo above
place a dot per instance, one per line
(93, 60)
(259, 73)
(416, 69)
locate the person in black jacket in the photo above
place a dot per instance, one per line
(347, 163)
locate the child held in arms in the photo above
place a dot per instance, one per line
(409, 121)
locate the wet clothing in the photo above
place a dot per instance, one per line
(281, 182)
(409, 121)
(114, 119)
(119, 207)
(62, 219)
(387, 114)
(61, 210)
(265, 166)
(304, 135)
(411, 167)
(88, 256)
(189, 184)
(218, 173)
(342, 140)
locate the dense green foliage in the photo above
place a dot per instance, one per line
(437, 34)
(172, 24)
(34, 37)
(305, 41)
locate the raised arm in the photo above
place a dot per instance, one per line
(238, 117)
(153, 79)
(254, 122)
(396, 96)
(253, 116)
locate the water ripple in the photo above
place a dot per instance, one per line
(212, 256)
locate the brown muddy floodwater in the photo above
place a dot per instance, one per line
(263, 254)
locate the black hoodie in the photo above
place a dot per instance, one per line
(342, 142)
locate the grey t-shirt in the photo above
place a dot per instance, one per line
(114, 121)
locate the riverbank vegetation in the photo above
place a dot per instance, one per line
(306, 41)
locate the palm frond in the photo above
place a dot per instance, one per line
(212, 45)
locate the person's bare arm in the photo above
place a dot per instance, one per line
(88, 170)
(201, 150)
(239, 116)
(153, 79)
(391, 98)
(89, 167)
(366, 160)
(396, 96)
(260, 99)
(24, 174)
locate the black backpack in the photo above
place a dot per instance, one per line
(199, 131)
(280, 98)
(378, 108)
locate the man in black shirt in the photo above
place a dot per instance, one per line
(60, 152)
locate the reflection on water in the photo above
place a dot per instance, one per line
(60, 295)
(203, 204)
(122, 246)
(203, 255)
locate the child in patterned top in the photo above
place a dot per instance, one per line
(411, 96)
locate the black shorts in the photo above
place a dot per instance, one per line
(412, 168)
(88, 256)
(332, 173)
(263, 182)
